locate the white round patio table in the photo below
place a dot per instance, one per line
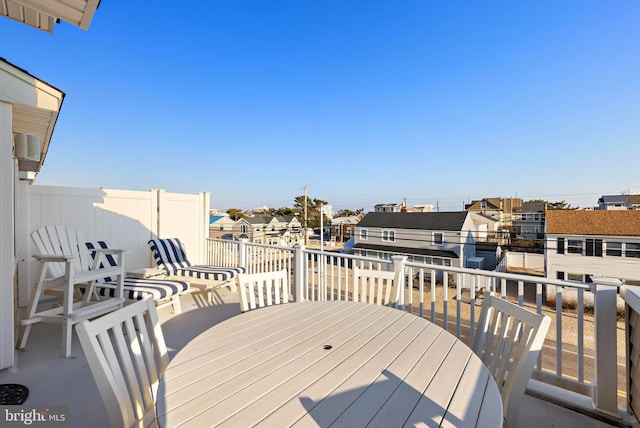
(339, 364)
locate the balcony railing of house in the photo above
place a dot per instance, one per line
(580, 355)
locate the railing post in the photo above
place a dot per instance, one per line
(298, 272)
(605, 391)
(242, 254)
(398, 268)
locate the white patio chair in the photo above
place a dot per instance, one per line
(376, 286)
(263, 289)
(65, 264)
(508, 340)
(127, 355)
(171, 256)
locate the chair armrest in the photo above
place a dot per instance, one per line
(56, 258)
(103, 252)
(108, 251)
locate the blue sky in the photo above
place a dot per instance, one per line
(364, 102)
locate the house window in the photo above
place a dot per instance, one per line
(363, 234)
(632, 250)
(243, 228)
(594, 247)
(561, 246)
(437, 238)
(575, 277)
(560, 275)
(483, 205)
(574, 246)
(614, 249)
(388, 235)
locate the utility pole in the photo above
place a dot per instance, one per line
(305, 216)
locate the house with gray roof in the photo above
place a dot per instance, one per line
(270, 230)
(443, 238)
(623, 201)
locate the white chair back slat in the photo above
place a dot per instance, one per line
(263, 289)
(127, 361)
(508, 340)
(375, 286)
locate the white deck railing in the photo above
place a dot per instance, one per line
(579, 355)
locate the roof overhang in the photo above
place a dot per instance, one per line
(44, 14)
(35, 107)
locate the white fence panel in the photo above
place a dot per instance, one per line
(125, 219)
(185, 217)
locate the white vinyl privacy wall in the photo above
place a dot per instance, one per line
(125, 219)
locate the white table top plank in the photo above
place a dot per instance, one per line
(436, 398)
(382, 361)
(466, 403)
(409, 386)
(383, 390)
(319, 380)
(246, 368)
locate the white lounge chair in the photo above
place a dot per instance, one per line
(263, 289)
(127, 355)
(164, 291)
(65, 264)
(508, 340)
(171, 256)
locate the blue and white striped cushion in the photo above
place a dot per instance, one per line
(138, 288)
(169, 254)
(134, 288)
(108, 260)
(209, 272)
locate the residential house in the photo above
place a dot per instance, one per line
(221, 227)
(291, 230)
(444, 238)
(344, 228)
(388, 208)
(527, 221)
(580, 244)
(500, 209)
(629, 200)
(271, 230)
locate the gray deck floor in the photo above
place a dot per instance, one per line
(53, 380)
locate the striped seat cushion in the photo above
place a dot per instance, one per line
(134, 288)
(170, 255)
(138, 288)
(209, 272)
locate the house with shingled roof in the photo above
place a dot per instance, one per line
(581, 244)
(441, 238)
